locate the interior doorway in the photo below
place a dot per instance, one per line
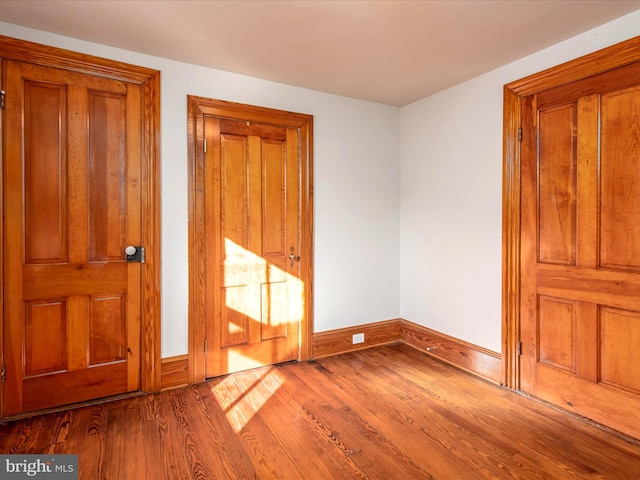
(570, 311)
(250, 234)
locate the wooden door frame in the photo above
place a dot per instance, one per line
(197, 107)
(595, 63)
(149, 80)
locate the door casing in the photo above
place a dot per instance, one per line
(617, 55)
(149, 80)
(197, 107)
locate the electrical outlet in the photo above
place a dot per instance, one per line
(357, 338)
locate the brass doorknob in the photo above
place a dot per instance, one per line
(293, 257)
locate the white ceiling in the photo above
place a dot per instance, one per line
(392, 52)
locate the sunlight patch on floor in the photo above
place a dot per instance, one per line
(242, 395)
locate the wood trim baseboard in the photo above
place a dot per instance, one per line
(464, 355)
(175, 372)
(477, 360)
(334, 342)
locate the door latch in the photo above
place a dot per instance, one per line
(292, 256)
(134, 254)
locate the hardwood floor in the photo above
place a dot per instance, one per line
(389, 412)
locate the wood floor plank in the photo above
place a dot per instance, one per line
(391, 412)
(350, 433)
(535, 427)
(123, 441)
(223, 452)
(421, 432)
(34, 435)
(536, 431)
(174, 450)
(266, 453)
(293, 426)
(535, 435)
(86, 439)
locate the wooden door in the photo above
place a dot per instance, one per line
(71, 205)
(254, 294)
(580, 249)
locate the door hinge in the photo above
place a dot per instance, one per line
(519, 348)
(2, 94)
(204, 145)
(205, 346)
(520, 134)
(3, 373)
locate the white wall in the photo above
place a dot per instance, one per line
(451, 202)
(356, 191)
(443, 232)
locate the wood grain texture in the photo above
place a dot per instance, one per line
(464, 355)
(151, 235)
(338, 341)
(511, 240)
(148, 82)
(175, 372)
(64, 310)
(581, 72)
(197, 251)
(381, 413)
(2, 129)
(73, 61)
(201, 186)
(604, 60)
(557, 174)
(579, 281)
(619, 179)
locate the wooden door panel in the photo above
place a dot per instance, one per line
(217, 259)
(107, 329)
(74, 279)
(602, 287)
(107, 169)
(557, 320)
(47, 391)
(620, 349)
(610, 406)
(557, 185)
(253, 190)
(234, 196)
(274, 201)
(240, 307)
(45, 337)
(45, 172)
(76, 343)
(580, 254)
(620, 180)
(274, 313)
(72, 201)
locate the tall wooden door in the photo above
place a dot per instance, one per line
(580, 249)
(254, 294)
(71, 183)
